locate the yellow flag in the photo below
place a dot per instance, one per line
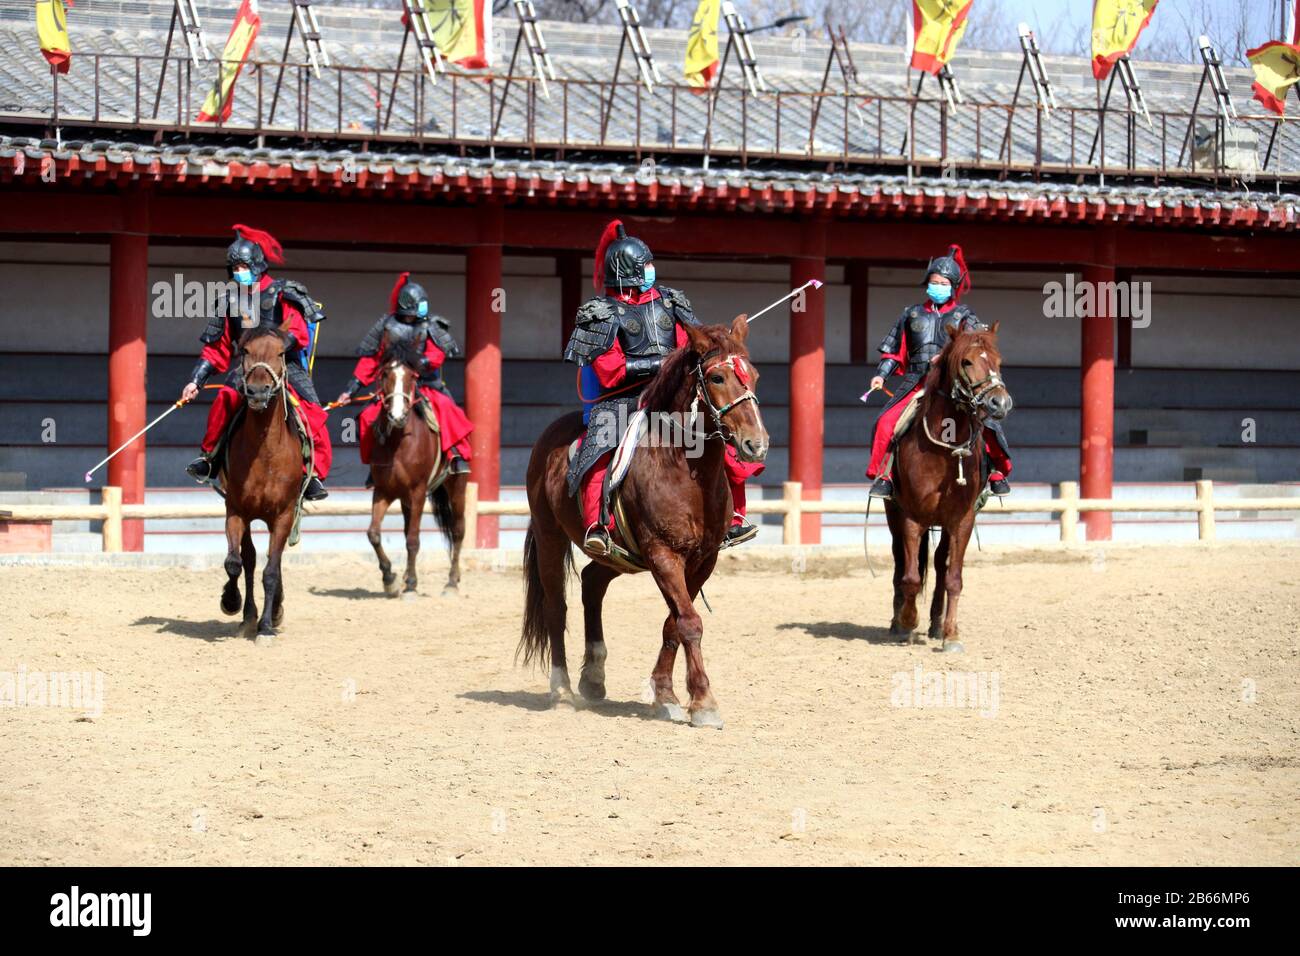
(242, 34)
(1277, 69)
(702, 45)
(463, 30)
(52, 28)
(1116, 25)
(936, 29)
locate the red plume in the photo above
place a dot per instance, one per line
(963, 286)
(606, 237)
(270, 245)
(392, 296)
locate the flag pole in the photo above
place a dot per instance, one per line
(815, 283)
(127, 443)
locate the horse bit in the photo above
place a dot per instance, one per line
(736, 364)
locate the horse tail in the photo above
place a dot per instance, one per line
(443, 513)
(534, 642)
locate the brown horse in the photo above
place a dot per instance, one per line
(677, 504)
(263, 476)
(939, 468)
(406, 456)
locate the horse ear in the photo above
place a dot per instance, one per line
(994, 327)
(287, 340)
(697, 339)
(740, 328)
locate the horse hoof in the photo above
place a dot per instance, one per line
(230, 603)
(590, 691)
(265, 639)
(916, 637)
(563, 700)
(670, 711)
(391, 587)
(706, 718)
(410, 595)
(450, 591)
(952, 647)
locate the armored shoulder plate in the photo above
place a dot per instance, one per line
(676, 302)
(440, 331)
(593, 332)
(216, 325)
(297, 294)
(371, 340)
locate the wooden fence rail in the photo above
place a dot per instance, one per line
(1067, 506)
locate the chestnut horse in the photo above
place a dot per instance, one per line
(406, 455)
(939, 474)
(263, 477)
(677, 505)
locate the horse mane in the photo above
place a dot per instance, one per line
(260, 332)
(947, 369)
(403, 352)
(665, 391)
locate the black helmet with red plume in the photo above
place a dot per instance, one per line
(953, 268)
(253, 249)
(620, 259)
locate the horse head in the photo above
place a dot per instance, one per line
(971, 371)
(726, 382)
(262, 361)
(398, 383)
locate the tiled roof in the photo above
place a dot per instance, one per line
(842, 193)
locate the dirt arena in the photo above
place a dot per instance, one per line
(1139, 706)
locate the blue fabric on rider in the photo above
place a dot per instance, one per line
(590, 388)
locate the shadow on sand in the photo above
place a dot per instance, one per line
(845, 631)
(531, 700)
(211, 631)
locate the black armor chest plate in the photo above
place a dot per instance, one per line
(406, 334)
(645, 330)
(927, 334)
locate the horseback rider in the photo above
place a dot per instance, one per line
(620, 339)
(263, 301)
(409, 326)
(913, 343)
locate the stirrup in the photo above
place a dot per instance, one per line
(597, 542)
(882, 487)
(459, 466)
(1000, 487)
(315, 490)
(200, 469)
(739, 534)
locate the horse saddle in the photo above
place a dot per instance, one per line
(624, 553)
(236, 419)
(907, 417)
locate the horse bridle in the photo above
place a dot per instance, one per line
(411, 397)
(277, 378)
(972, 398)
(702, 393)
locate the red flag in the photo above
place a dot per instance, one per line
(243, 32)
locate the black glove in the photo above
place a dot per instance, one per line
(352, 387)
(643, 367)
(201, 372)
(886, 368)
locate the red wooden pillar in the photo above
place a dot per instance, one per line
(856, 273)
(128, 314)
(1097, 404)
(484, 303)
(568, 266)
(808, 373)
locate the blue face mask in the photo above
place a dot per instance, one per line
(244, 277)
(649, 279)
(422, 309)
(939, 293)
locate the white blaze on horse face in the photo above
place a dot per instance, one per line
(399, 392)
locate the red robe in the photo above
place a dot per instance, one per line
(611, 369)
(221, 353)
(453, 423)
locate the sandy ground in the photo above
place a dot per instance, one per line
(1147, 711)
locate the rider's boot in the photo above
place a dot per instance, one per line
(882, 488)
(315, 489)
(200, 469)
(597, 543)
(998, 483)
(739, 532)
(459, 466)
